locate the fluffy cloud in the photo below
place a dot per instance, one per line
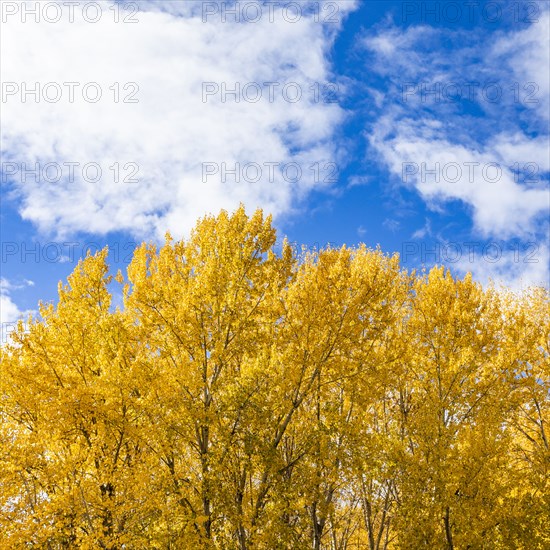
(432, 143)
(442, 171)
(165, 62)
(516, 269)
(9, 311)
(526, 55)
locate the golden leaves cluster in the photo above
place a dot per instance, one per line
(247, 399)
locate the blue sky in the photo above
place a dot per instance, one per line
(422, 127)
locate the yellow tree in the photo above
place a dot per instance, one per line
(69, 414)
(208, 308)
(527, 350)
(455, 399)
(247, 399)
(342, 337)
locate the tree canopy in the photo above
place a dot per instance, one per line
(243, 398)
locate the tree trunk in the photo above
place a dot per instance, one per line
(448, 532)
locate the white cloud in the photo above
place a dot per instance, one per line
(425, 230)
(413, 129)
(517, 147)
(396, 45)
(526, 54)
(10, 313)
(171, 131)
(500, 206)
(517, 269)
(424, 55)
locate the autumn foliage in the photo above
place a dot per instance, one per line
(247, 399)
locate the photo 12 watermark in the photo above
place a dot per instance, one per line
(327, 12)
(69, 12)
(9, 328)
(313, 248)
(471, 172)
(456, 92)
(253, 172)
(69, 172)
(69, 92)
(270, 92)
(470, 11)
(57, 252)
(469, 252)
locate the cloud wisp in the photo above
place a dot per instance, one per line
(151, 118)
(469, 124)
